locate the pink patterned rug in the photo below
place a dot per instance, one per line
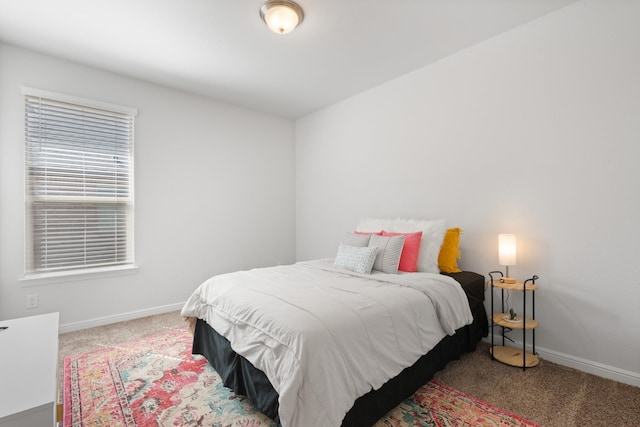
(436, 404)
(157, 382)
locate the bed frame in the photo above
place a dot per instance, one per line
(243, 378)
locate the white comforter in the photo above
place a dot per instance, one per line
(325, 336)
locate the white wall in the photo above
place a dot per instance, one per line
(214, 185)
(535, 132)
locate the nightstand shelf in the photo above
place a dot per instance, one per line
(510, 355)
(514, 356)
(499, 319)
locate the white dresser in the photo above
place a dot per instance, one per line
(28, 366)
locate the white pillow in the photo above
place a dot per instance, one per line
(433, 233)
(389, 251)
(354, 258)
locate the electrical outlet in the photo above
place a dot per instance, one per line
(32, 300)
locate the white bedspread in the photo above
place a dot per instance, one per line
(325, 336)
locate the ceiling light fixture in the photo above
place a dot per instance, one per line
(281, 16)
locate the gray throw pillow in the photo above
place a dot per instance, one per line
(356, 239)
(389, 251)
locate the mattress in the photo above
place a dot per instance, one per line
(242, 377)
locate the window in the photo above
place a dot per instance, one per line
(79, 184)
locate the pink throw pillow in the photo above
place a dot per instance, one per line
(410, 250)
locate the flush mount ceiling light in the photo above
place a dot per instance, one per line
(281, 16)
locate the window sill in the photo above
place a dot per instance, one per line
(67, 276)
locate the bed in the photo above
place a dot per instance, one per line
(320, 344)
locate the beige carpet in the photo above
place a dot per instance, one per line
(549, 394)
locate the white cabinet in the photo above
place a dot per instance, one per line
(28, 367)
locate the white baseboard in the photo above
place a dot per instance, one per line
(101, 321)
(584, 365)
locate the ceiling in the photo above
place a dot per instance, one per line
(222, 49)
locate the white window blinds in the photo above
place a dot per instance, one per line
(79, 184)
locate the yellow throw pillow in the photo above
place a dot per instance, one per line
(449, 252)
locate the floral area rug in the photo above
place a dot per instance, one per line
(157, 382)
(436, 404)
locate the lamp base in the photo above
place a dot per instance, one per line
(509, 280)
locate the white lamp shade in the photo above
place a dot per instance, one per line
(507, 249)
(281, 18)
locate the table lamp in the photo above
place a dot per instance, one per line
(507, 254)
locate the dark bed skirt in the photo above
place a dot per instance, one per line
(242, 377)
